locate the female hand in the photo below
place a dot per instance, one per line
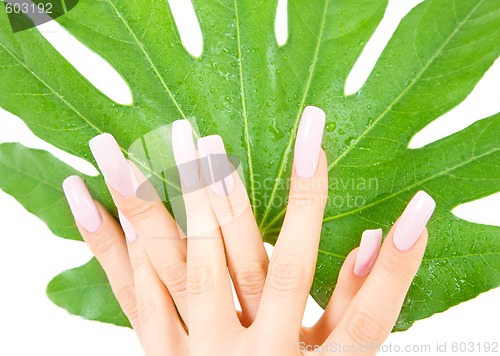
(157, 272)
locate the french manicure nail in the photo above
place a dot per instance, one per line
(215, 165)
(368, 251)
(112, 163)
(81, 204)
(127, 227)
(308, 142)
(413, 220)
(185, 153)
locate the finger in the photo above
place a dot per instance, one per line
(292, 264)
(352, 275)
(161, 328)
(375, 308)
(246, 256)
(208, 287)
(154, 225)
(105, 239)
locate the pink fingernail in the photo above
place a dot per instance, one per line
(308, 142)
(185, 153)
(368, 251)
(413, 221)
(81, 204)
(127, 227)
(112, 163)
(215, 165)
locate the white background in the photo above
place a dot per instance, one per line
(30, 256)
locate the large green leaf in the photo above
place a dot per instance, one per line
(251, 91)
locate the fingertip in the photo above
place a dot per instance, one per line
(322, 163)
(310, 192)
(185, 154)
(308, 142)
(413, 220)
(112, 163)
(368, 252)
(215, 165)
(347, 268)
(81, 204)
(106, 220)
(144, 189)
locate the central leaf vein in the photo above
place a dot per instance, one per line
(288, 149)
(248, 141)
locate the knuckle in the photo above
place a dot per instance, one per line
(138, 261)
(250, 280)
(141, 211)
(237, 207)
(103, 246)
(196, 203)
(302, 200)
(200, 280)
(364, 328)
(126, 298)
(307, 193)
(286, 275)
(147, 310)
(173, 274)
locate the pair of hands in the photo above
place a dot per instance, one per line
(176, 291)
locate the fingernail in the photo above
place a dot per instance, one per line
(368, 251)
(308, 142)
(215, 165)
(112, 163)
(185, 153)
(127, 227)
(412, 222)
(81, 204)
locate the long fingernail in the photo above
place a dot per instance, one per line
(215, 165)
(81, 204)
(127, 227)
(185, 153)
(308, 142)
(112, 163)
(412, 222)
(368, 251)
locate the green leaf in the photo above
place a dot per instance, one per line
(251, 91)
(35, 178)
(85, 291)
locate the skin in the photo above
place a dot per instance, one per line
(177, 294)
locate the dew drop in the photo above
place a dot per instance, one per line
(349, 140)
(331, 126)
(277, 133)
